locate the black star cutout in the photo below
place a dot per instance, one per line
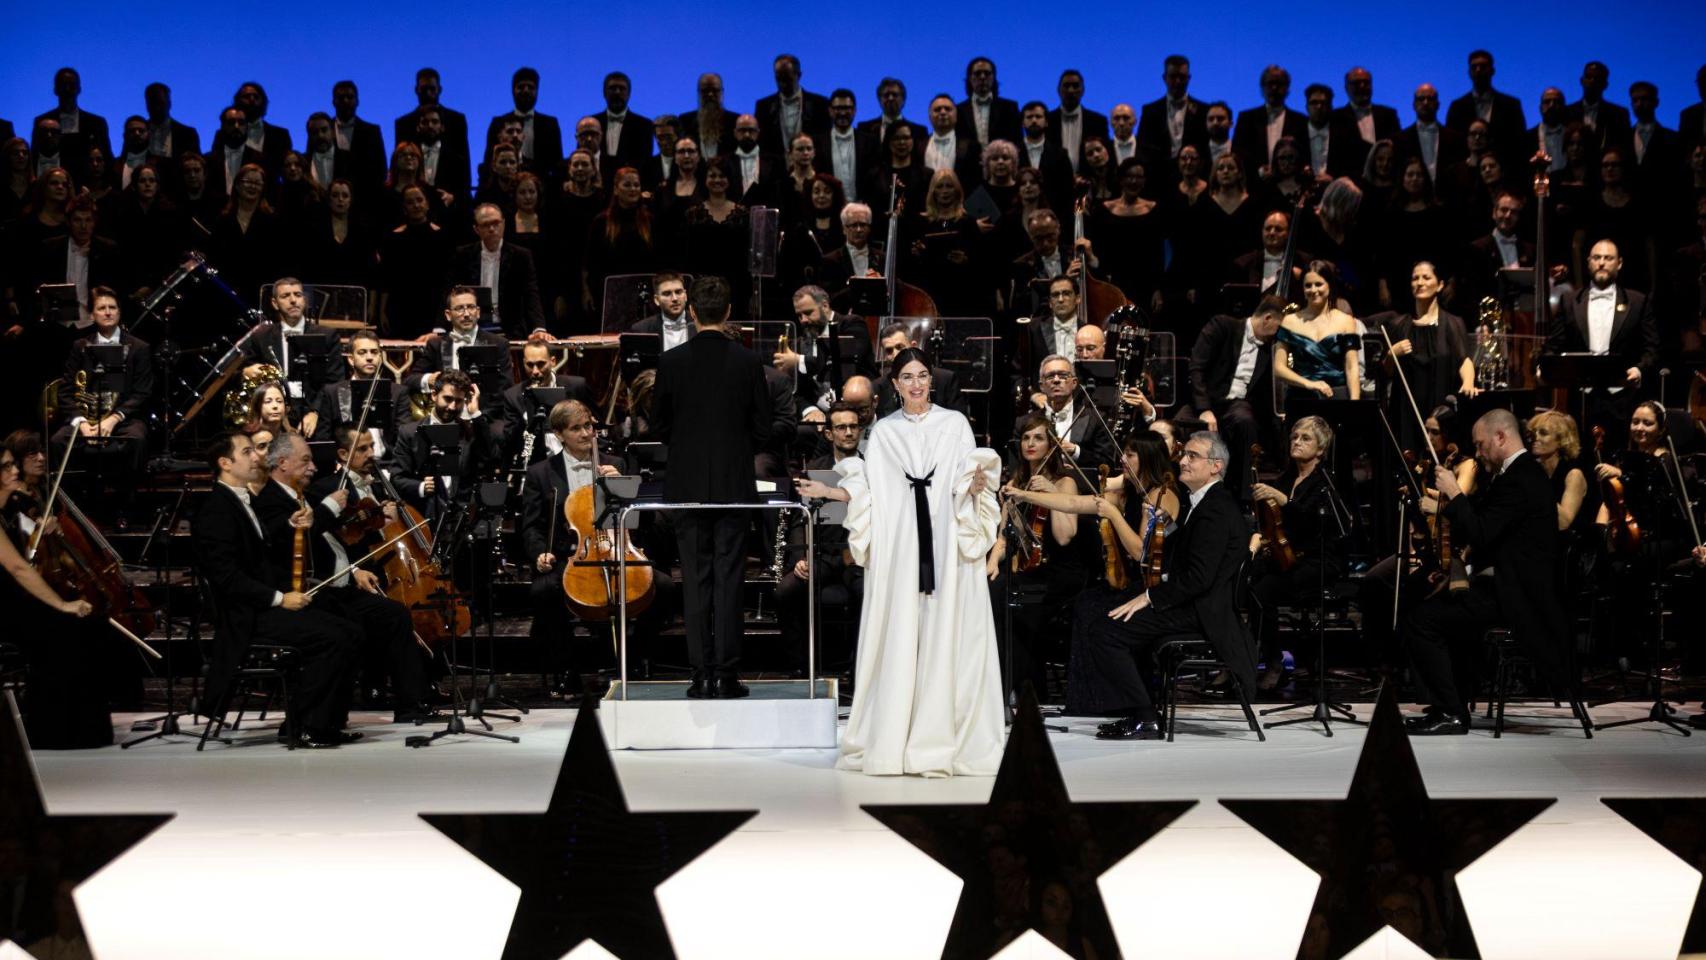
(1030, 857)
(42, 857)
(588, 869)
(1388, 855)
(1679, 825)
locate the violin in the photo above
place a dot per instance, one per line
(1622, 530)
(1113, 555)
(1270, 519)
(1028, 554)
(1153, 545)
(589, 578)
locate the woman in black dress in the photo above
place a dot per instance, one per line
(1413, 227)
(246, 240)
(582, 199)
(943, 244)
(1129, 235)
(341, 247)
(149, 229)
(621, 240)
(1066, 549)
(899, 161)
(716, 234)
(419, 248)
(1433, 348)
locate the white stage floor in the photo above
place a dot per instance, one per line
(275, 854)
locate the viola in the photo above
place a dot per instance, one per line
(589, 577)
(1270, 519)
(1113, 555)
(1622, 530)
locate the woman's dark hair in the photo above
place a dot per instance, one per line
(613, 213)
(23, 443)
(905, 357)
(837, 193)
(1657, 409)
(888, 138)
(1051, 464)
(1326, 271)
(1128, 164)
(1154, 466)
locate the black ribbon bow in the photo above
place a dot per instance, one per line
(926, 545)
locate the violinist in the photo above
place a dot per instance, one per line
(549, 540)
(1511, 531)
(1315, 527)
(354, 595)
(338, 404)
(1055, 550)
(55, 634)
(1147, 471)
(1649, 533)
(254, 600)
(1554, 442)
(117, 424)
(29, 491)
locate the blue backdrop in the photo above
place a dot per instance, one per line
(297, 51)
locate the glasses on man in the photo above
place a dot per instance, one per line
(465, 308)
(1193, 455)
(1056, 376)
(844, 428)
(1062, 294)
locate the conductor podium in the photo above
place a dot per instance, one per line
(658, 715)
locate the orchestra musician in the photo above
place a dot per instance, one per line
(1434, 348)
(252, 601)
(269, 411)
(337, 404)
(1512, 528)
(1083, 433)
(442, 351)
(456, 400)
(55, 634)
(811, 353)
(117, 427)
(1201, 563)
(1315, 526)
(1054, 550)
(268, 342)
(669, 293)
(525, 413)
(1607, 317)
(549, 540)
(386, 631)
(1145, 468)
(840, 581)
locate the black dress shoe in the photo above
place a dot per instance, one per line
(334, 738)
(698, 689)
(416, 714)
(1440, 725)
(1698, 721)
(1131, 728)
(730, 688)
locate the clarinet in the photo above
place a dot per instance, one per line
(779, 548)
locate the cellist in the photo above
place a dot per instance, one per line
(353, 594)
(549, 540)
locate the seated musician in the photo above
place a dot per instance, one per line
(1315, 522)
(1316, 349)
(455, 400)
(387, 633)
(1231, 379)
(268, 343)
(1058, 559)
(811, 352)
(57, 635)
(1145, 469)
(269, 411)
(669, 293)
(252, 602)
(860, 256)
(1554, 442)
(337, 405)
(111, 420)
(1196, 596)
(525, 413)
(1511, 528)
(1083, 432)
(442, 351)
(550, 541)
(840, 581)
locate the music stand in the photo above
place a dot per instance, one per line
(59, 304)
(1100, 379)
(639, 352)
(311, 356)
(379, 408)
(1583, 371)
(488, 366)
(868, 296)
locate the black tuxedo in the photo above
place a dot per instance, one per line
(454, 174)
(836, 268)
(1660, 169)
(853, 342)
(1346, 149)
(1386, 123)
(1202, 563)
(547, 159)
(1004, 120)
(366, 158)
(713, 408)
(1090, 124)
(1248, 267)
(1154, 137)
(869, 135)
(337, 405)
(968, 160)
(522, 412)
(1511, 526)
(231, 559)
(1213, 363)
(407, 463)
(454, 122)
(387, 633)
(275, 143)
(1611, 125)
(106, 269)
(517, 295)
(635, 144)
(185, 139)
(1634, 333)
(122, 457)
(814, 119)
(1479, 275)
(1250, 137)
(765, 189)
(1056, 169)
(91, 132)
(1507, 124)
(265, 344)
(1449, 148)
(438, 353)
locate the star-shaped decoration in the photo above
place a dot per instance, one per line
(44, 857)
(1679, 825)
(1388, 855)
(588, 868)
(1029, 858)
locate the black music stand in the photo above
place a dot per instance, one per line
(1582, 371)
(868, 296)
(1100, 379)
(311, 359)
(639, 352)
(379, 408)
(488, 366)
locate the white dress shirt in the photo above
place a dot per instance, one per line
(526, 150)
(613, 132)
(1064, 335)
(160, 139)
(1128, 148)
(1176, 110)
(578, 471)
(1270, 267)
(1427, 138)
(1218, 150)
(77, 272)
(320, 166)
(1365, 122)
(748, 167)
(489, 260)
(1060, 420)
(675, 332)
(233, 162)
(859, 259)
(257, 138)
(844, 158)
(792, 107)
(1072, 134)
(1276, 127)
(285, 332)
(1552, 141)
(1196, 498)
(980, 118)
(1509, 252)
(939, 155)
(429, 162)
(343, 131)
(1246, 369)
(1320, 140)
(1602, 312)
(128, 166)
(1034, 150)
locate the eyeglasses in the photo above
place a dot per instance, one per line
(465, 308)
(1057, 375)
(844, 428)
(1193, 455)
(1062, 294)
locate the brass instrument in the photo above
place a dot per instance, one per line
(236, 403)
(1492, 358)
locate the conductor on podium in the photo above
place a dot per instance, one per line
(713, 412)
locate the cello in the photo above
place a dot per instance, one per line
(414, 578)
(589, 576)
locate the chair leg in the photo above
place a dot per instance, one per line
(1249, 709)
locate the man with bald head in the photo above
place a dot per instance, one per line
(1512, 528)
(753, 167)
(1548, 134)
(1606, 317)
(708, 124)
(1438, 145)
(1373, 122)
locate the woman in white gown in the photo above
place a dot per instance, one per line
(928, 694)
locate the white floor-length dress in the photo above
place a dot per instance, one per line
(928, 694)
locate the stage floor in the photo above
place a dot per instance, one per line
(275, 854)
